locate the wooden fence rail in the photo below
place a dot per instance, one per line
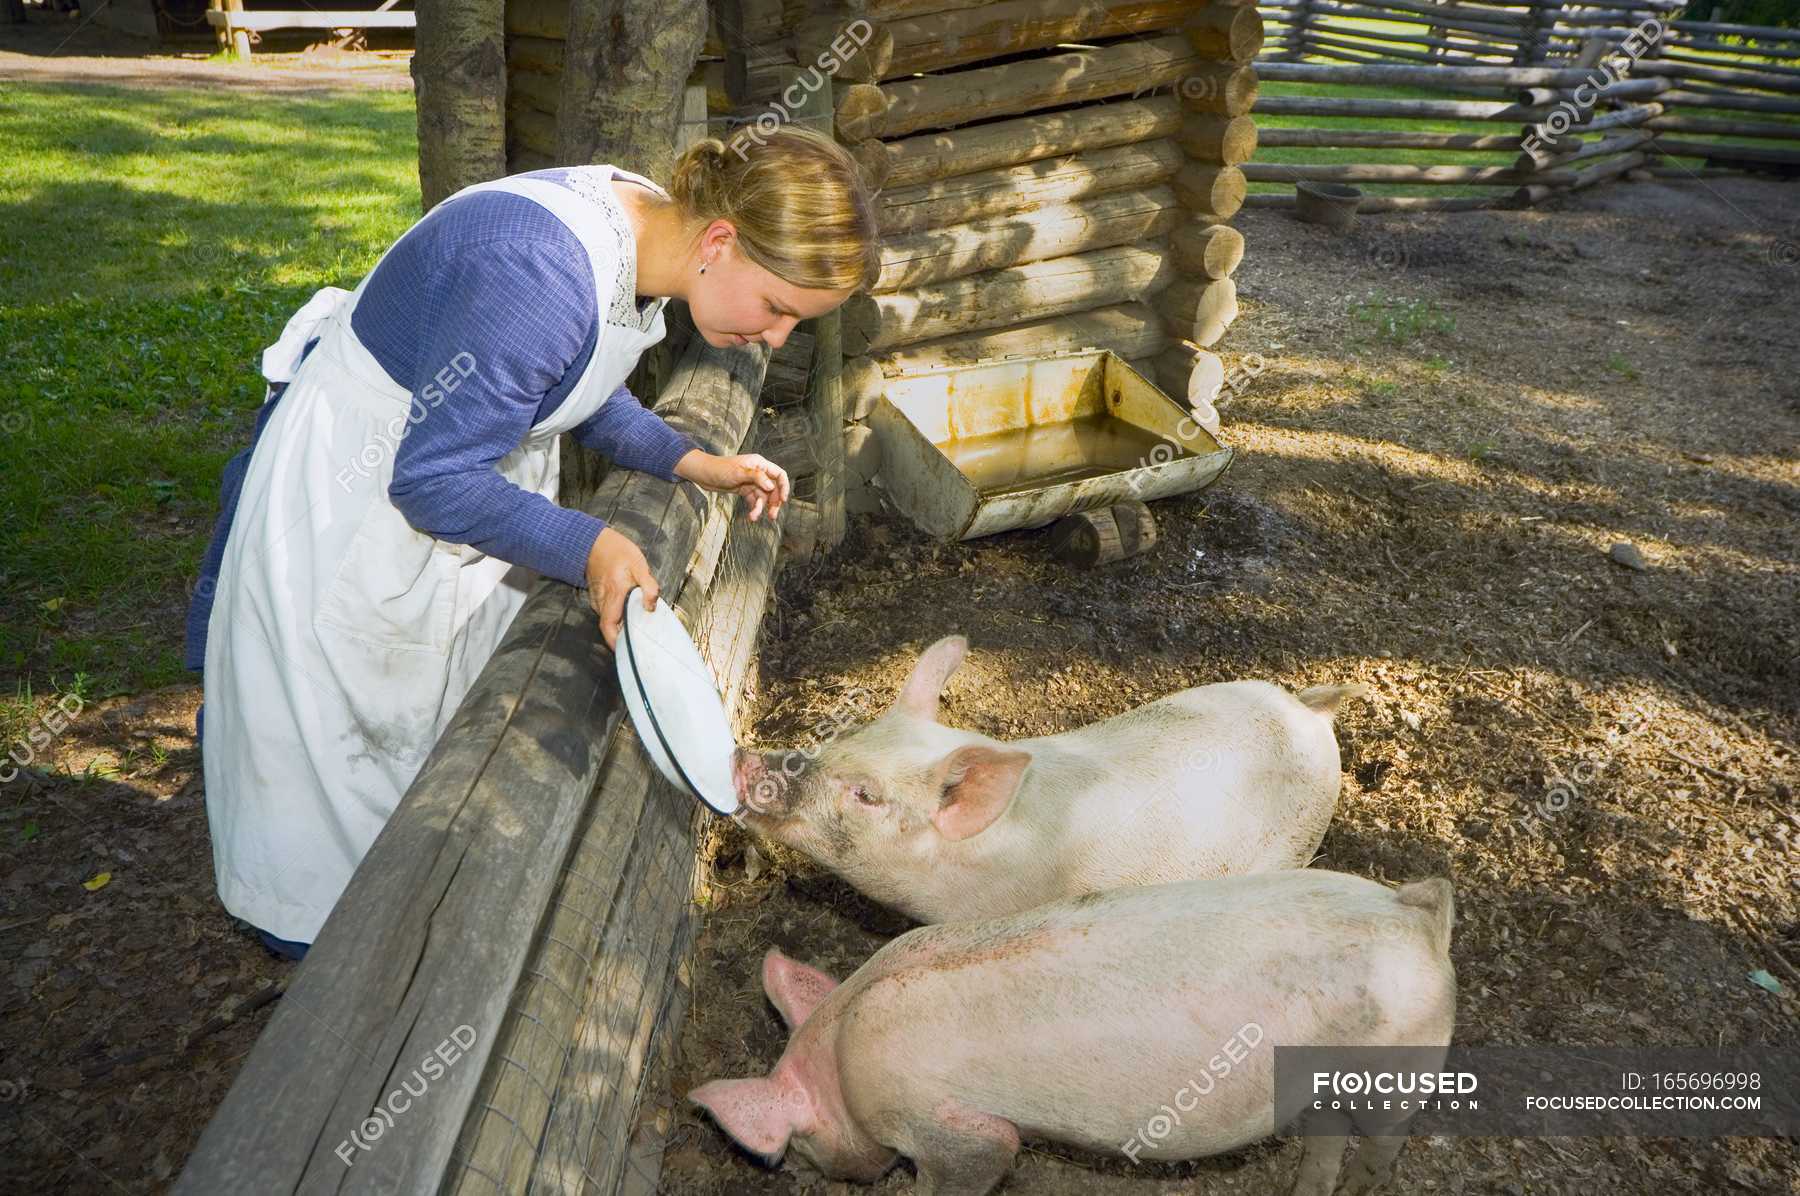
(1594, 90)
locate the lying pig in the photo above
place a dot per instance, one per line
(1080, 1022)
(945, 824)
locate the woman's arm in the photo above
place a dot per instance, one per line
(505, 319)
(628, 433)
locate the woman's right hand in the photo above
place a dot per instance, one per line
(614, 565)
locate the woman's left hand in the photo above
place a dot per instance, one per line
(763, 483)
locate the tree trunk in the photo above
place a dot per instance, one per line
(459, 77)
(625, 67)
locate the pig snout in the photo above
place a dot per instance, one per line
(759, 790)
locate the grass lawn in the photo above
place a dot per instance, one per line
(153, 241)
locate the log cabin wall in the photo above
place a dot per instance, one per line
(1054, 175)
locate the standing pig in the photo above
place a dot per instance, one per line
(945, 824)
(1079, 1022)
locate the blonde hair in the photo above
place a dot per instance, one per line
(803, 209)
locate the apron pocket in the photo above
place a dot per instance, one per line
(395, 587)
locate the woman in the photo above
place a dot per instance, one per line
(398, 497)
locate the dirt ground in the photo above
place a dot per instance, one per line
(1431, 515)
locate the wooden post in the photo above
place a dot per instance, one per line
(625, 69)
(459, 77)
(220, 34)
(240, 37)
(825, 390)
(1202, 304)
(1300, 17)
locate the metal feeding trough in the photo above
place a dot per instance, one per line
(967, 451)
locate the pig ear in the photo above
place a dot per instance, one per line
(979, 783)
(793, 988)
(919, 696)
(760, 1113)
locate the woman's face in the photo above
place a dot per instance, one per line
(736, 301)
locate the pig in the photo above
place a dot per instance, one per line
(945, 824)
(1083, 1022)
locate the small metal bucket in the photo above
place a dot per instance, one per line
(1330, 204)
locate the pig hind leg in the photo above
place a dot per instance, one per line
(1373, 1165)
(961, 1152)
(1322, 1155)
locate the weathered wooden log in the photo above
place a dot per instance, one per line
(597, 1051)
(1600, 172)
(1282, 172)
(1447, 77)
(1784, 130)
(520, 159)
(1785, 69)
(955, 37)
(928, 156)
(1394, 203)
(1510, 33)
(1677, 148)
(1691, 98)
(1757, 80)
(1760, 32)
(1093, 538)
(1701, 45)
(1588, 98)
(983, 93)
(1194, 377)
(861, 112)
(850, 51)
(862, 452)
(799, 529)
(945, 253)
(538, 92)
(1215, 191)
(534, 130)
(996, 298)
(989, 193)
(1495, 110)
(1385, 139)
(1612, 169)
(874, 159)
(436, 926)
(1598, 148)
(625, 72)
(1622, 118)
(459, 76)
(1131, 330)
(538, 18)
(825, 398)
(1465, 43)
(1229, 140)
(1197, 310)
(1224, 32)
(1218, 88)
(1210, 250)
(758, 74)
(534, 55)
(1317, 42)
(755, 22)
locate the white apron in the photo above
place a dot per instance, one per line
(341, 640)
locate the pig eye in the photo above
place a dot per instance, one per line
(864, 796)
